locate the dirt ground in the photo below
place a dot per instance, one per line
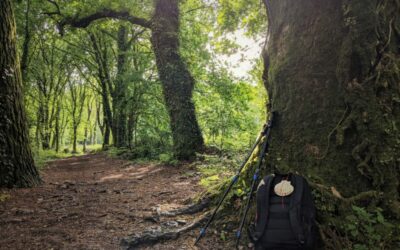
(92, 202)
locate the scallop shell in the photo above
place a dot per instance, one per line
(283, 188)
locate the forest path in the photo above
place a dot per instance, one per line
(93, 201)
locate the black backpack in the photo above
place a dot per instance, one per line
(284, 222)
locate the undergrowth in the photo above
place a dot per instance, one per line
(41, 157)
(358, 227)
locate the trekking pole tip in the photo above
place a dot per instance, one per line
(202, 233)
(238, 234)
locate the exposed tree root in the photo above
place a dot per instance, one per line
(336, 128)
(159, 234)
(360, 197)
(191, 209)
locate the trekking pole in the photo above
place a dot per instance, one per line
(253, 183)
(234, 179)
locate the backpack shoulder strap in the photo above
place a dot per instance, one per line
(295, 207)
(262, 206)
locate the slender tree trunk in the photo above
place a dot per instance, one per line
(119, 97)
(37, 131)
(106, 137)
(78, 96)
(105, 90)
(57, 128)
(176, 80)
(331, 71)
(131, 127)
(27, 40)
(87, 126)
(64, 123)
(74, 139)
(17, 168)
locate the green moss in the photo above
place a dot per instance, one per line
(4, 197)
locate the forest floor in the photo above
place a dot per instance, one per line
(94, 201)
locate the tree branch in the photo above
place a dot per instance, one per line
(101, 14)
(57, 12)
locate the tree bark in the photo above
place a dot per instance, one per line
(17, 168)
(176, 80)
(331, 74)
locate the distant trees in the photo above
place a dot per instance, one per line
(49, 77)
(176, 80)
(77, 93)
(17, 168)
(138, 90)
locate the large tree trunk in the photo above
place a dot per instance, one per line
(176, 80)
(331, 71)
(17, 168)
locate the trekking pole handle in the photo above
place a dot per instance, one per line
(254, 180)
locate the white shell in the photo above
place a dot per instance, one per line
(283, 188)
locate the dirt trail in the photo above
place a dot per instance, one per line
(92, 202)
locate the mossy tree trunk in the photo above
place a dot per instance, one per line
(120, 90)
(17, 168)
(332, 74)
(177, 81)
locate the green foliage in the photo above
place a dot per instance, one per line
(229, 110)
(241, 14)
(167, 159)
(41, 157)
(369, 229)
